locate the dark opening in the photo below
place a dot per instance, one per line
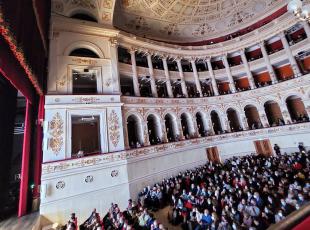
(217, 127)
(82, 52)
(84, 17)
(85, 135)
(84, 82)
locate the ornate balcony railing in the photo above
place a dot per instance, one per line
(168, 148)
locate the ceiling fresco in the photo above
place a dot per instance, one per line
(190, 20)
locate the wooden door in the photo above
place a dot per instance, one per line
(263, 147)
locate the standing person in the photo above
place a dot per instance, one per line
(277, 149)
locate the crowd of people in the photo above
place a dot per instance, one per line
(135, 217)
(250, 192)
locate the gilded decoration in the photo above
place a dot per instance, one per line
(86, 100)
(83, 61)
(151, 150)
(55, 130)
(114, 128)
(90, 4)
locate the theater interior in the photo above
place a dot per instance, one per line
(154, 114)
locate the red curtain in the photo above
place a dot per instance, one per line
(39, 152)
(23, 194)
(11, 70)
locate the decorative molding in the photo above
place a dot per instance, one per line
(168, 148)
(89, 179)
(60, 185)
(55, 130)
(84, 61)
(114, 173)
(86, 100)
(114, 128)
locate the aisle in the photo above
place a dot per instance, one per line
(162, 217)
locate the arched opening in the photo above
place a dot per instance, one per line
(216, 123)
(206, 88)
(85, 17)
(145, 87)
(273, 113)
(154, 131)
(200, 125)
(171, 128)
(296, 109)
(134, 132)
(252, 117)
(161, 88)
(83, 52)
(233, 120)
(186, 126)
(177, 89)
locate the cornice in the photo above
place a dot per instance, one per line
(65, 24)
(255, 37)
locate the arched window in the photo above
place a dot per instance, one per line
(233, 120)
(85, 17)
(273, 113)
(83, 52)
(171, 128)
(134, 131)
(145, 87)
(216, 123)
(186, 126)
(296, 109)
(161, 88)
(200, 125)
(154, 130)
(252, 117)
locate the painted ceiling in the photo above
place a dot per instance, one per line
(190, 20)
(177, 21)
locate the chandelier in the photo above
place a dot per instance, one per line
(302, 12)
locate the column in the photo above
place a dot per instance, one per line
(126, 139)
(263, 118)
(213, 81)
(268, 63)
(183, 85)
(228, 72)
(197, 82)
(306, 28)
(286, 115)
(115, 67)
(23, 194)
(196, 133)
(289, 53)
(146, 135)
(151, 70)
(168, 82)
(134, 73)
(247, 69)
(226, 125)
(163, 128)
(180, 129)
(243, 121)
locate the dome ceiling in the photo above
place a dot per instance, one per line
(190, 20)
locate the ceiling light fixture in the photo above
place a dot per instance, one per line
(302, 12)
